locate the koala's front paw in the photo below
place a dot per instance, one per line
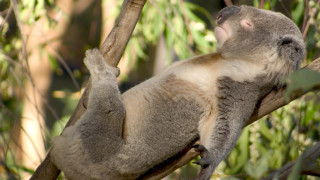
(97, 65)
(206, 162)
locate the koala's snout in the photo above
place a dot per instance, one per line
(226, 12)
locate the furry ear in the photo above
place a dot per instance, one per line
(291, 50)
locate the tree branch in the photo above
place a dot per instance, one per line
(112, 50)
(114, 45)
(276, 98)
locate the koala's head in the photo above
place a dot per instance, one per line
(260, 36)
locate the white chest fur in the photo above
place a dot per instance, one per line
(206, 75)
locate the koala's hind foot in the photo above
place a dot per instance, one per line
(97, 64)
(206, 162)
(105, 101)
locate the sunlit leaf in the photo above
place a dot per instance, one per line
(243, 149)
(296, 170)
(259, 168)
(297, 12)
(301, 81)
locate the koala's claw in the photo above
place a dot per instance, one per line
(206, 159)
(199, 148)
(202, 162)
(206, 162)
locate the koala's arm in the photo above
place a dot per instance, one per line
(236, 102)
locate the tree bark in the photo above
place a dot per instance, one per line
(276, 98)
(112, 50)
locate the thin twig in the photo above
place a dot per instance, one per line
(5, 19)
(261, 4)
(39, 113)
(228, 2)
(314, 10)
(16, 13)
(23, 130)
(285, 8)
(28, 76)
(305, 16)
(59, 57)
(186, 19)
(4, 12)
(172, 28)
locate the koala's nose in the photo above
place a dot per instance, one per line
(226, 12)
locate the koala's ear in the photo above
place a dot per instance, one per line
(291, 50)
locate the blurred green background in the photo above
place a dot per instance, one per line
(42, 44)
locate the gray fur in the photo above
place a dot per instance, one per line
(236, 102)
(271, 29)
(126, 136)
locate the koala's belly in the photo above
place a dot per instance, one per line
(162, 119)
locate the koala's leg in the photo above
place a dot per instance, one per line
(84, 149)
(105, 112)
(236, 102)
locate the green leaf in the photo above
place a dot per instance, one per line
(267, 6)
(264, 130)
(298, 11)
(275, 177)
(296, 170)
(54, 64)
(257, 170)
(193, 7)
(58, 126)
(244, 150)
(301, 81)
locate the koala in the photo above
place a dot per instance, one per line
(210, 97)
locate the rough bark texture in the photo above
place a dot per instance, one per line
(276, 99)
(112, 49)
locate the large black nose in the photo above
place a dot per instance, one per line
(226, 12)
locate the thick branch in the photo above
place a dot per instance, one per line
(276, 99)
(114, 45)
(112, 50)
